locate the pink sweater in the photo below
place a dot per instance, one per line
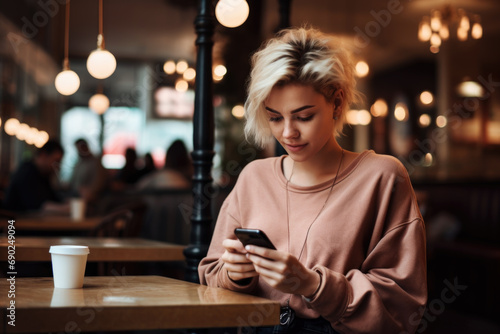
(368, 242)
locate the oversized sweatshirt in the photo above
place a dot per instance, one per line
(368, 242)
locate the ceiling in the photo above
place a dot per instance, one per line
(383, 32)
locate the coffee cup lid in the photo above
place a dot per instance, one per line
(69, 250)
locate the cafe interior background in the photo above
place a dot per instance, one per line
(429, 70)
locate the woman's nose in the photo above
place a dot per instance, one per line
(289, 129)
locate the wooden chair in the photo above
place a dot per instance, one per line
(113, 225)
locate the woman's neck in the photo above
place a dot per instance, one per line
(317, 169)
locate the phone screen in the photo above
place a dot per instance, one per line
(253, 237)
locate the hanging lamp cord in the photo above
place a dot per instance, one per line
(66, 38)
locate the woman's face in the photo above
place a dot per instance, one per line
(301, 120)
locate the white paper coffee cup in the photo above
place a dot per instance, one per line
(77, 206)
(68, 265)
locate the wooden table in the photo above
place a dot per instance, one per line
(101, 249)
(129, 303)
(55, 223)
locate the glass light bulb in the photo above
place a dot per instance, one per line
(435, 39)
(436, 21)
(67, 82)
(461, 34)
(444, 32)
(477, 31)
(101, 63)
(424, 31)
(99, 103)
(232, 13)
(464, 22)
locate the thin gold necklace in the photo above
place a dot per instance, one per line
(287, 315)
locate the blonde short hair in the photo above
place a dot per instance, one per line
(304, 56)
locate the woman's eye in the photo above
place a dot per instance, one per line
(275, 119)
(305, 119)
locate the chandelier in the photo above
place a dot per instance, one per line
(441, 23)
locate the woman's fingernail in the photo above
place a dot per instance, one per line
(247, 247)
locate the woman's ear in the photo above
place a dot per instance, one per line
(338, 100)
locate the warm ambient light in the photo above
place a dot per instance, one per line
(358, 117)
(67, 82)
(428, 160)
(11, 126)
(437, 28)
(189, 74)
(169, 67)
(101, 63)
(426, 97)
(470, 89)
(238, 111)
(362, 69)
(401, 112)
(99, 103)
(379, 108)
(220, 70)
(181, 85)
(424, 120)
(232, 13)
(41, 138)
(22, 131)
(441, 121)
(181, 66)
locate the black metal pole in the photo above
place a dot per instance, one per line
(284, 10)
(203, 141)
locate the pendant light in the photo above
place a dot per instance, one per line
(99, 103)
(231, 13)
(101, 63)
(67, 81)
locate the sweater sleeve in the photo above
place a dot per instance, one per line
(211, 269)
(386, 294)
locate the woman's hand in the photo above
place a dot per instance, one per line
(283, 271)
(238, 266)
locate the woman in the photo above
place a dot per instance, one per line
(350, 239)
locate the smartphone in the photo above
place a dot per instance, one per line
(253, 237)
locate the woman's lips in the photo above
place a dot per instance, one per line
(295, 148)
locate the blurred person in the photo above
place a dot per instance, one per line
(148, 165)
(89, 177)
(30, 187)
(129, 174)
(349, 237)
(176, 173)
